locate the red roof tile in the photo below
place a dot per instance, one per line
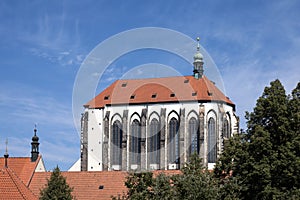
(159, 90)
(12, 187)
(87, 184)
(22, 167)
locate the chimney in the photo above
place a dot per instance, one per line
(6, 157)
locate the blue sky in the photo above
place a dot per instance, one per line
(43, 44)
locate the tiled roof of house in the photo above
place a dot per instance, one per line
(99, 185)
(22, 167)
(159, 90)
(12, 187)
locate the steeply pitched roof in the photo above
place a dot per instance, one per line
(22, 167)
(87, 185)
(12, 187)
(159, 90)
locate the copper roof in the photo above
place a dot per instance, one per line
(159, 90)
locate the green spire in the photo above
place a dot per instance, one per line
(198, 62)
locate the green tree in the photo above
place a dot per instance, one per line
(195, 182)
(163, 189)
(264, 161)
(139, 185)
(56, 188)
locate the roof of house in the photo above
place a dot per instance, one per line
(91, 185)
(159, 90)
(12, 187)
(22, 167)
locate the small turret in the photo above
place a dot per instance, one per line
(35, 146)
(198, 62)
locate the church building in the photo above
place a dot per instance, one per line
(156, 123)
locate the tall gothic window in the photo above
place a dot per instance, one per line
(135, 147)
(226, 130)
(212, 141)
(117, 135)
(154, 142)
(194, 136)
(173, 144)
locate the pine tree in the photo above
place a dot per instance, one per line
(56, 188)
(264, 161)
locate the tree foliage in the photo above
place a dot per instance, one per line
(264, 161)
(194, 182)
(56, 188)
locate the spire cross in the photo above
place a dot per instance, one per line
(35, 129)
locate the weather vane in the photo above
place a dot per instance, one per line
(198, 45)
(6, 144)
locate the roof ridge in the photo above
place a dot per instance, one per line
(36, 164)
(183, 76)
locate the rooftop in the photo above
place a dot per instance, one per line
(159, 90)
(13, 187)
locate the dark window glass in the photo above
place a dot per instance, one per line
(173, 141)
(226, 131)
(194, 136)
(154, 142)
(117, 143)
(135, 147)
(212, 141)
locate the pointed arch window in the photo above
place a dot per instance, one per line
(226, 130)
(154, 139)
(194, 136)
(117, 135)
(173, 144)
(212, 141)
(135, 147)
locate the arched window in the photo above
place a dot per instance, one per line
(225, 129)
(173, 144)
(212, 141)
(117, 135)
(154, 139)
(194, 136)
(135, 147)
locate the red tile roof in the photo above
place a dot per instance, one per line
(22, 167)
(159, 90)
(86, 184)
(12, 187)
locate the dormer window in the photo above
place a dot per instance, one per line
(124, 84)
(209, 93)
(194, 94)
(172, 95)
(132, 96)
(153, 95)
(106, 97)
(186, 81)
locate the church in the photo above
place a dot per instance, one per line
(156, 123)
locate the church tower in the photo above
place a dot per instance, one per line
(35, 146)
(198, 62)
